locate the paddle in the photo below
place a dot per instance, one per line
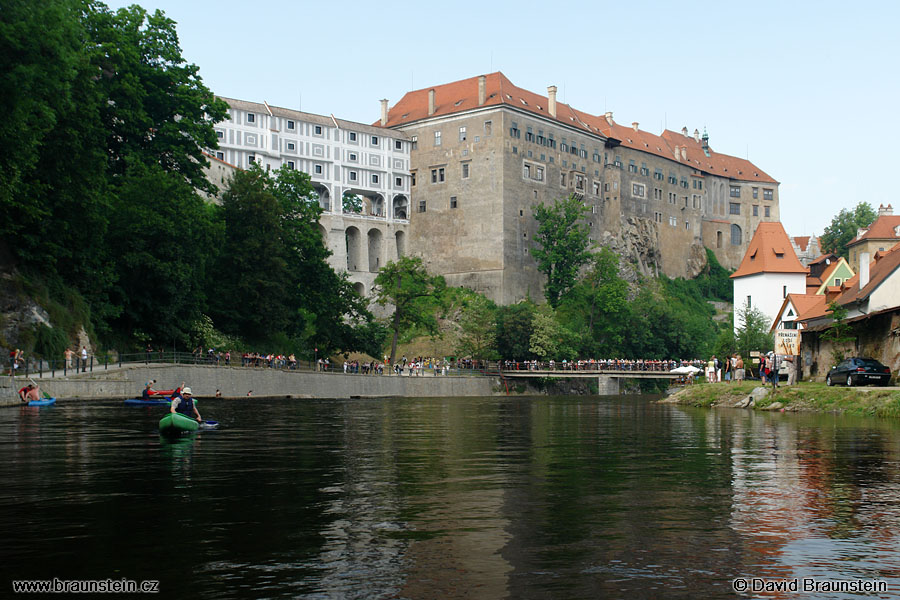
(45, 394)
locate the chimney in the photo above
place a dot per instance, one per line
(551, 100)
(684, 154)
(609, 118)
(696, 136)
(677, 153)
(482, 87)
(863, 270)
(634, 125)
(885, 211)
(384, 111)
(684, 131)
(430, 102)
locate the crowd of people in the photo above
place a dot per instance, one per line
(603, 364)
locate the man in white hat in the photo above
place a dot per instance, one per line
(184, 404)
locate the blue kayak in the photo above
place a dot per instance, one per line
(44, 402)
(151, 402)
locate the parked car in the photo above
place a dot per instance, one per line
(859, 371)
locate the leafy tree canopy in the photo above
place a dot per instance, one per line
(844, 226)
(562, 250)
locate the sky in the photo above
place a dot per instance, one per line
(785, 84)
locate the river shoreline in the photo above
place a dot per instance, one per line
(805, 396)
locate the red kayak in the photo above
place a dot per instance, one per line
(162, 392)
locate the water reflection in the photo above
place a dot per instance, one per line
(449, 498)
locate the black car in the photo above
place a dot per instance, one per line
(859, 371)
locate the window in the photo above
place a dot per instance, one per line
(398, 145)
(487, 128)
(756, 210)
(673, 221)
(695, 200)
(657, 216)
(644, 169)
(318, 130)
(562, 179)
(453, 202)
(735, 191)
(748, 301)
(352, 157)
(434, 176)
(637, 190)
(220, 155)
(515, 150)
(526, 171)
(398, 182)
(374, 140)
(514, 130)
(632, 168)
(784, 291)
(437, 138)
(766, 209)
(374, 178)
(684, 182)
(539, 173)
(768, 194)
(421, 206)
(352, 136)
(672, 197)
(353, 175)
(596, 188)
(465, 170)
(251, 159)
(414, 142)
(318, 169)
(291, 146)
(719, 241)
(755, 193)
(837, 281)
(220, 135)
(735, 235)
(290, 165)
(687, 224)
(734, 208)
(657, 193)
(251, 118)
(290, 125)
(412, 179)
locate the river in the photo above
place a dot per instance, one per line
(544, 497)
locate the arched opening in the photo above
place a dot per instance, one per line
(360, 289)
(736, 235)
(324, 234)
(718, 239)
(353, 239)
(400, 208)
(374, 250)
(400, 238)
(324, 197)
(377, 206)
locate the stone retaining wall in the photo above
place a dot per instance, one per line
(128, 382)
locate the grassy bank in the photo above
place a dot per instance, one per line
(805, 396)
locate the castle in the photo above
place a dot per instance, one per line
(451, 173)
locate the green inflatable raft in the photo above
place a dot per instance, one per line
(177, 424)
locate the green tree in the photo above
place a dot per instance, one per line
(752, 333)
(515, 324)
(477, 326)
(549, 339)
(415, 294)
(562, 239)
(844, 226)
(839, 333)
(596, 306)
(351, 203)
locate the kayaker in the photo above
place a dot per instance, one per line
(148, 390)
(184, 404)
(30, 392)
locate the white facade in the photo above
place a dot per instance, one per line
(766, 292)
(341, 157)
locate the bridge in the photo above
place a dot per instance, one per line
(608, 381)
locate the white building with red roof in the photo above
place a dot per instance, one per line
(769, 272)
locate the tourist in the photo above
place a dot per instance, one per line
(148, 390)
(68, 357)
(84, 357)
(738, 368)
(184, 404)
(727, 364)
(29, 392)
(218, 393)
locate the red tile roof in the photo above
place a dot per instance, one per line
(884, 228)
(460, 96)
(802, 303)
(878, 271)
(770, 251)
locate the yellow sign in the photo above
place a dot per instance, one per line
(787, 341)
